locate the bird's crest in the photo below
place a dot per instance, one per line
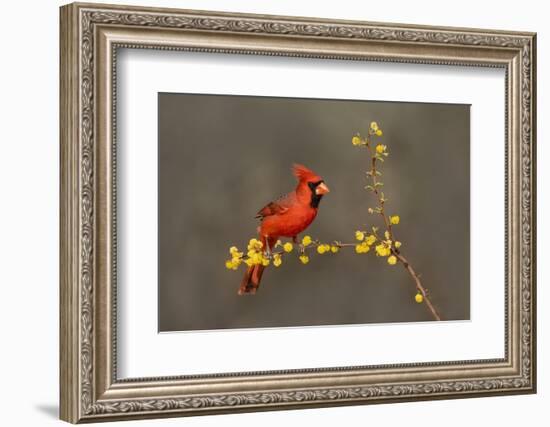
(304, 174)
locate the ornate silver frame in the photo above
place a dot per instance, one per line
(90, 36)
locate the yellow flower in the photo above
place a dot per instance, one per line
(306, 241)
(387, 234)
(419, 298)
(288, 247)
(383, 250)
(321, 249)
(235, 254)
(392, 260)
(232, 264)
(359, 235)
(254, 244)
(265, 262)
(374, 126)
(362, 248)
(394, 219)
(379, 132)
(248, 262)
(380, 148)
(304, 258)
(371, 239)
(277, 260)
(334, 249)
(356, 140)
(397, 244)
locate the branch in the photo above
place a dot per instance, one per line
(381, 209)
(419, 286)
(386, 247)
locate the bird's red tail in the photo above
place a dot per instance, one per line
(251, 279)
(253, 275)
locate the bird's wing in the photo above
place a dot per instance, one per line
(278, 207)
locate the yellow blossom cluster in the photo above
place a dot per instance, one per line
(382, 247)
(374, 130)
(236, 258)
(254, 256)
(255, 253)
(381, 148)
(356, 140)
(277, 260)
(367, 240)
(362, 248)
(323, 248)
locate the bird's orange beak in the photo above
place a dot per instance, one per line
(322, 189)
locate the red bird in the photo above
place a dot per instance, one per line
(288, 216)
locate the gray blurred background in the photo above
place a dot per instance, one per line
(222, 158)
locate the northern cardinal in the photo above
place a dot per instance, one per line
(288, 216)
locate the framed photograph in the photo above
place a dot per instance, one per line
(266, 212)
